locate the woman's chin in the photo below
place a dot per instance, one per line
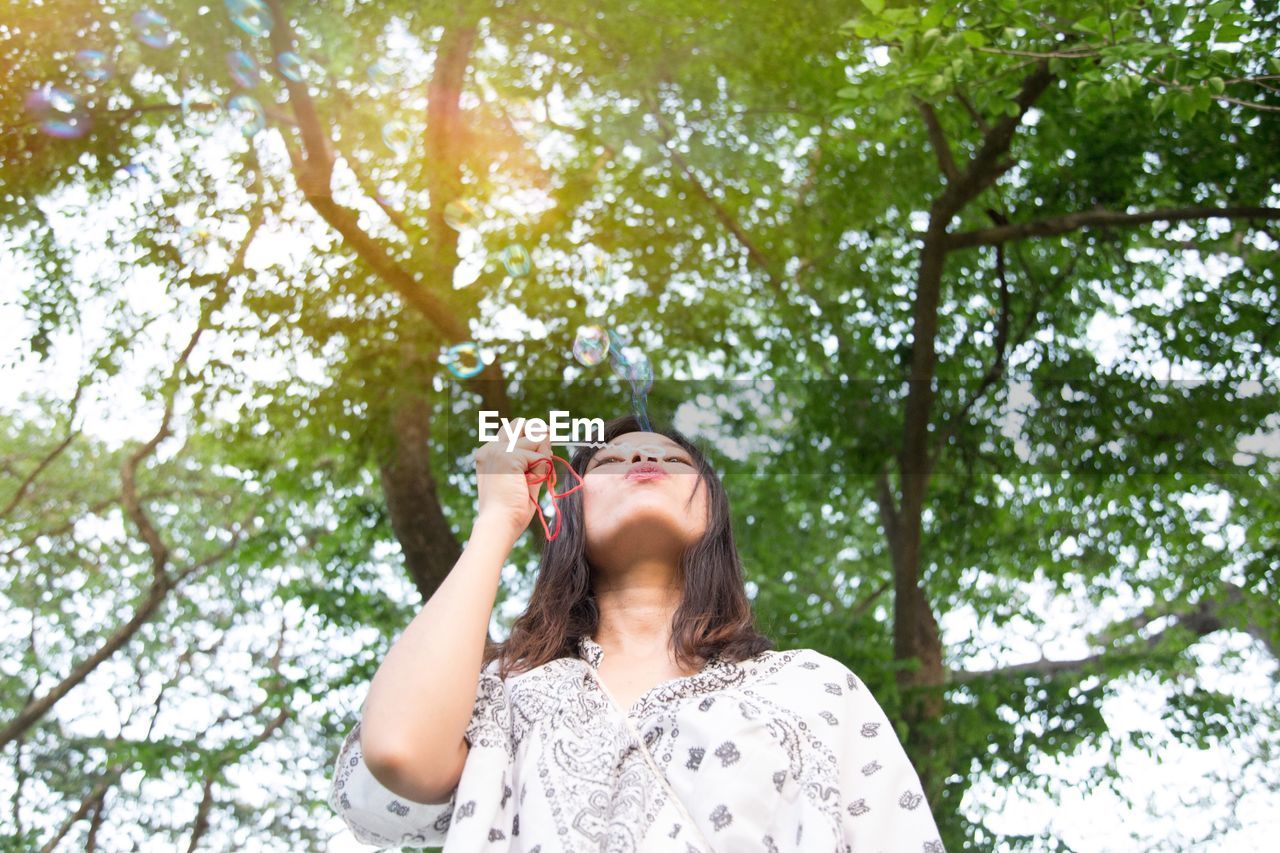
(647, 535)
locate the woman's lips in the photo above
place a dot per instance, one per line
(646, 471)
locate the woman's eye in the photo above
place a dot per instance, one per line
(605, 460)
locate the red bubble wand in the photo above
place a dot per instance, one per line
(550, 479)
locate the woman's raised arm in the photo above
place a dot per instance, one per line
(423, 694)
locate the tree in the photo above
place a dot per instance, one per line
(896, 216)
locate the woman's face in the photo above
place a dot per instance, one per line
(641, 496)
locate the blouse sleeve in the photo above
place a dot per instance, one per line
(480, 807)
(883, 807)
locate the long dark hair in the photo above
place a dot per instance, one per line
(714, 616)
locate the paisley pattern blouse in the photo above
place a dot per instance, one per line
(786, 751)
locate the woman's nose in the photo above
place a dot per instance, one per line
(641, 453)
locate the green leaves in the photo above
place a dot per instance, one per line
(1185, 105)
(836, 199)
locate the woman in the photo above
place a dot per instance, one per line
(634, 706)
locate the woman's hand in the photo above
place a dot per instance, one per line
(506, 498)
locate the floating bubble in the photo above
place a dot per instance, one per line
(621, 361)
(381, 73)
(199, 244)
(291, 66)
(616, 345)
(398, 137)
(598, 270)
(527, 109)
(632, 365)
(638, 372)
(71, 126)
(247, 114)
(516, 260)
(252, 16)
(639, 410)
(591, 345)
(463, 360)
(244, 69)
(52, 99)
(95, 65)
(152, 29)
(201, 111)
(57, 113)
(460, 214)
(197, 234)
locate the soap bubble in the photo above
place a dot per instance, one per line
(57, 113)
(632, 365)
(381, 73)
(460, 214)
(591, 345)
(95, 65)
(198, 235)
(201, 111)
(244, 69)
(52, 100)
(247, 114)
(528, 110)
(622, 357)
(516, 260)
(291, 66)
(197, 239)
(152, 28)
(463, 360)
(398, 137)
(616, 344)
(637, 371)
(199, 244)
(252, 16)
(599, 270)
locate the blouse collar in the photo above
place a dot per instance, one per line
(591, 652)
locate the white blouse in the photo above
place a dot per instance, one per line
(786, 751)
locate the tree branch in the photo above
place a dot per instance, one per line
(201, 823)
(722, 215)
(916, 635)
(978, 120)
(952, 423)
(34, 710)
(1200, 620)
(47, 460)
(313, 170)
(162, 582)
(863, 606)
(94, 797)
(938, 140)
(990, 162)
(1182, 87)
(1074, 221)
(886, 503)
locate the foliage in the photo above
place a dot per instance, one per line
(750, 190)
